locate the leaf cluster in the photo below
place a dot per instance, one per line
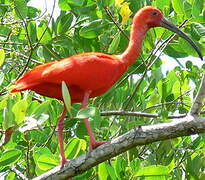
(30, 36)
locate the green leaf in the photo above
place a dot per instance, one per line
(44, 33)
(65, 23)
(106, 3)
(178, 6)
(92, 29)
(73, 147)
(62, 41)
(11, 176)
(163, 4)
(162, 88)
(19, 110)
(63, 5)
(10, 157)
(39, 151)
(32, 31)
(199, 29)
(42, 108)
(47, 161)
(2, 57)
(117, 164)
(114, 44)
(81, 131)
(111, 171)
(76, 2)
(4, 30)
(154, 170)
(33, 12)
(8, 116)
(86, 113)
(197, 8)
(20, 8)
(96, 119)
(66, 97)
(102, 171)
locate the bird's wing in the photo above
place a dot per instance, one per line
(31, 78)
(82, 68)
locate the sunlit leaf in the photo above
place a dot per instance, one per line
(44, 33)
(114, 44)
(66, 97)
(178, 6)
(2, 58)
(102, 171)
(63, 5)
(197, 7)
(19, 110)
(10, 157)
(46, 162)
(155, 171)
(86, 112)
(73, 148)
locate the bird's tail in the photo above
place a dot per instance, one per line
(17, 88)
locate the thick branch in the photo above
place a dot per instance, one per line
(199, 99)
(141, 135)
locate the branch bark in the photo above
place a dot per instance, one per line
(140, 135)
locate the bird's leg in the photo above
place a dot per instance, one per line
(60, 136)
(93, 143)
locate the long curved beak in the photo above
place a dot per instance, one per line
(168, 25)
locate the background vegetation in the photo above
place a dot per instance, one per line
(30, 36)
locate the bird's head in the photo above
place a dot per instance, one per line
(152, 17)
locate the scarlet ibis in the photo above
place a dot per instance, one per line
(88, 75)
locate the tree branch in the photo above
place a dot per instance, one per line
(140, 135)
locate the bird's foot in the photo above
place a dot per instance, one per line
(63, 161)
(94, 144)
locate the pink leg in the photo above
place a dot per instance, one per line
(60, 136)
(93, 143)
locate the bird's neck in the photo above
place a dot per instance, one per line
(137, 34)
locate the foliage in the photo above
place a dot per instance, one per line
(28, 38)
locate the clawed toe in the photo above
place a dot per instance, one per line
(95, 144)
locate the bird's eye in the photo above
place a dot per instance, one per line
(154, 13)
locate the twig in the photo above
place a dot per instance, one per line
(21, 21)
(199, 99)
(18, 173)
(36, 45)
(167, 103)
(113, 20)
(154, 51)
(139, 114)
(22, 55)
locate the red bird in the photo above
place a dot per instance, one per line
(91, 74)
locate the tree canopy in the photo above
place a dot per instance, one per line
(150, 92)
